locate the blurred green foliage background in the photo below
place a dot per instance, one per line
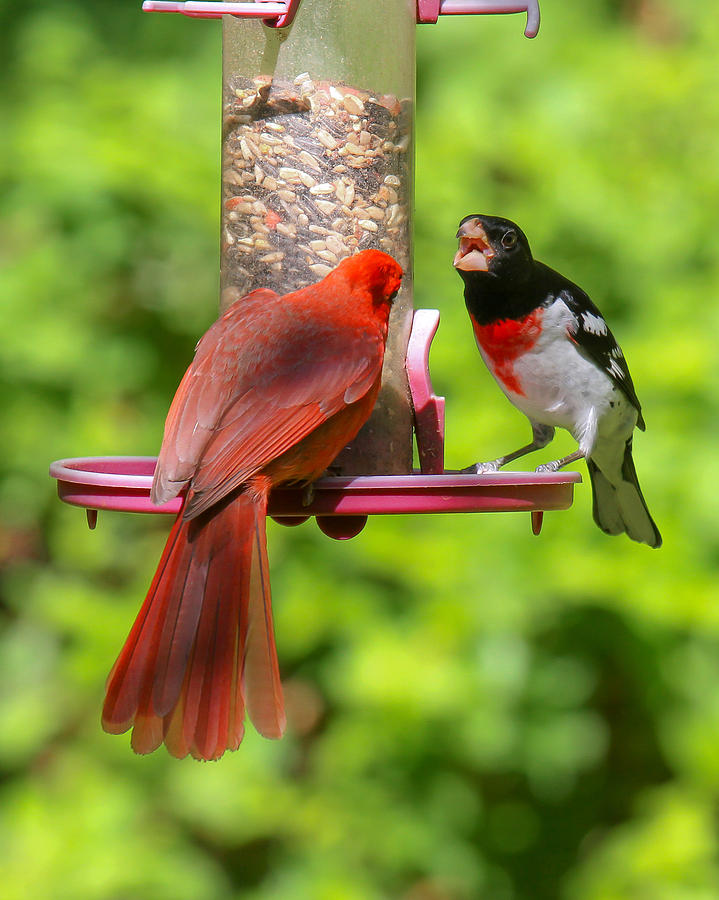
(474, 713)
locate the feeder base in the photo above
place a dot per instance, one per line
(340, 504)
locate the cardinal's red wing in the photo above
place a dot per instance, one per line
(264, 376)
(207, 388)
(271, 418)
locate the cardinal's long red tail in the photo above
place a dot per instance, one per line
(202, 646)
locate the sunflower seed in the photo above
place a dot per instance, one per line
(326, 139)
(320, 269)
(308, 180)
(238, 206)
(324, 188)
(291, 176)
(353, 104)
(325, 206)
(334, 244)
(309, 160)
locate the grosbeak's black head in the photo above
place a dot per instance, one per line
(491, 247)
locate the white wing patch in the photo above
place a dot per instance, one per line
(616, 370)
(594, 324)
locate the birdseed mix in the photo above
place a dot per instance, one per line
(311, 174)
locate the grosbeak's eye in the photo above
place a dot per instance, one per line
(509, 239)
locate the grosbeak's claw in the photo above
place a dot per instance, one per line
(548, 467)
(481, 468)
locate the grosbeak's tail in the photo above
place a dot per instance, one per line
(618, 504)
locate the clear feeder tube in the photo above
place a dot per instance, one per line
(317, 164)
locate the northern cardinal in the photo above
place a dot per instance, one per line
(555, 358)
(277, 387)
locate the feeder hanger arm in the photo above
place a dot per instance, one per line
(276, 13)
(280, 13)
(428, 11)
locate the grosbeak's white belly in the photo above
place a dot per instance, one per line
(543, 373)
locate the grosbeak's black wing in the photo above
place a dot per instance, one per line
(591, 334)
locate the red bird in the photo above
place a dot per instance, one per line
(277, 387)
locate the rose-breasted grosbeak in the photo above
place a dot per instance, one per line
(553, 355)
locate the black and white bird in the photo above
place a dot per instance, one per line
(553, 355)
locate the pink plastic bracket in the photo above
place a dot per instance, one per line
(428, 11)
(276, 13)
(428, 408)
(280, 13)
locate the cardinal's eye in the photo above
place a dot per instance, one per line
(509, 240)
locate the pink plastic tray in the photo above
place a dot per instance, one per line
(123, 483)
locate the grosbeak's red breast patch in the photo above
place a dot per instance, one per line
(505, 340)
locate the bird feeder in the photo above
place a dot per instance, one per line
(317, 164)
